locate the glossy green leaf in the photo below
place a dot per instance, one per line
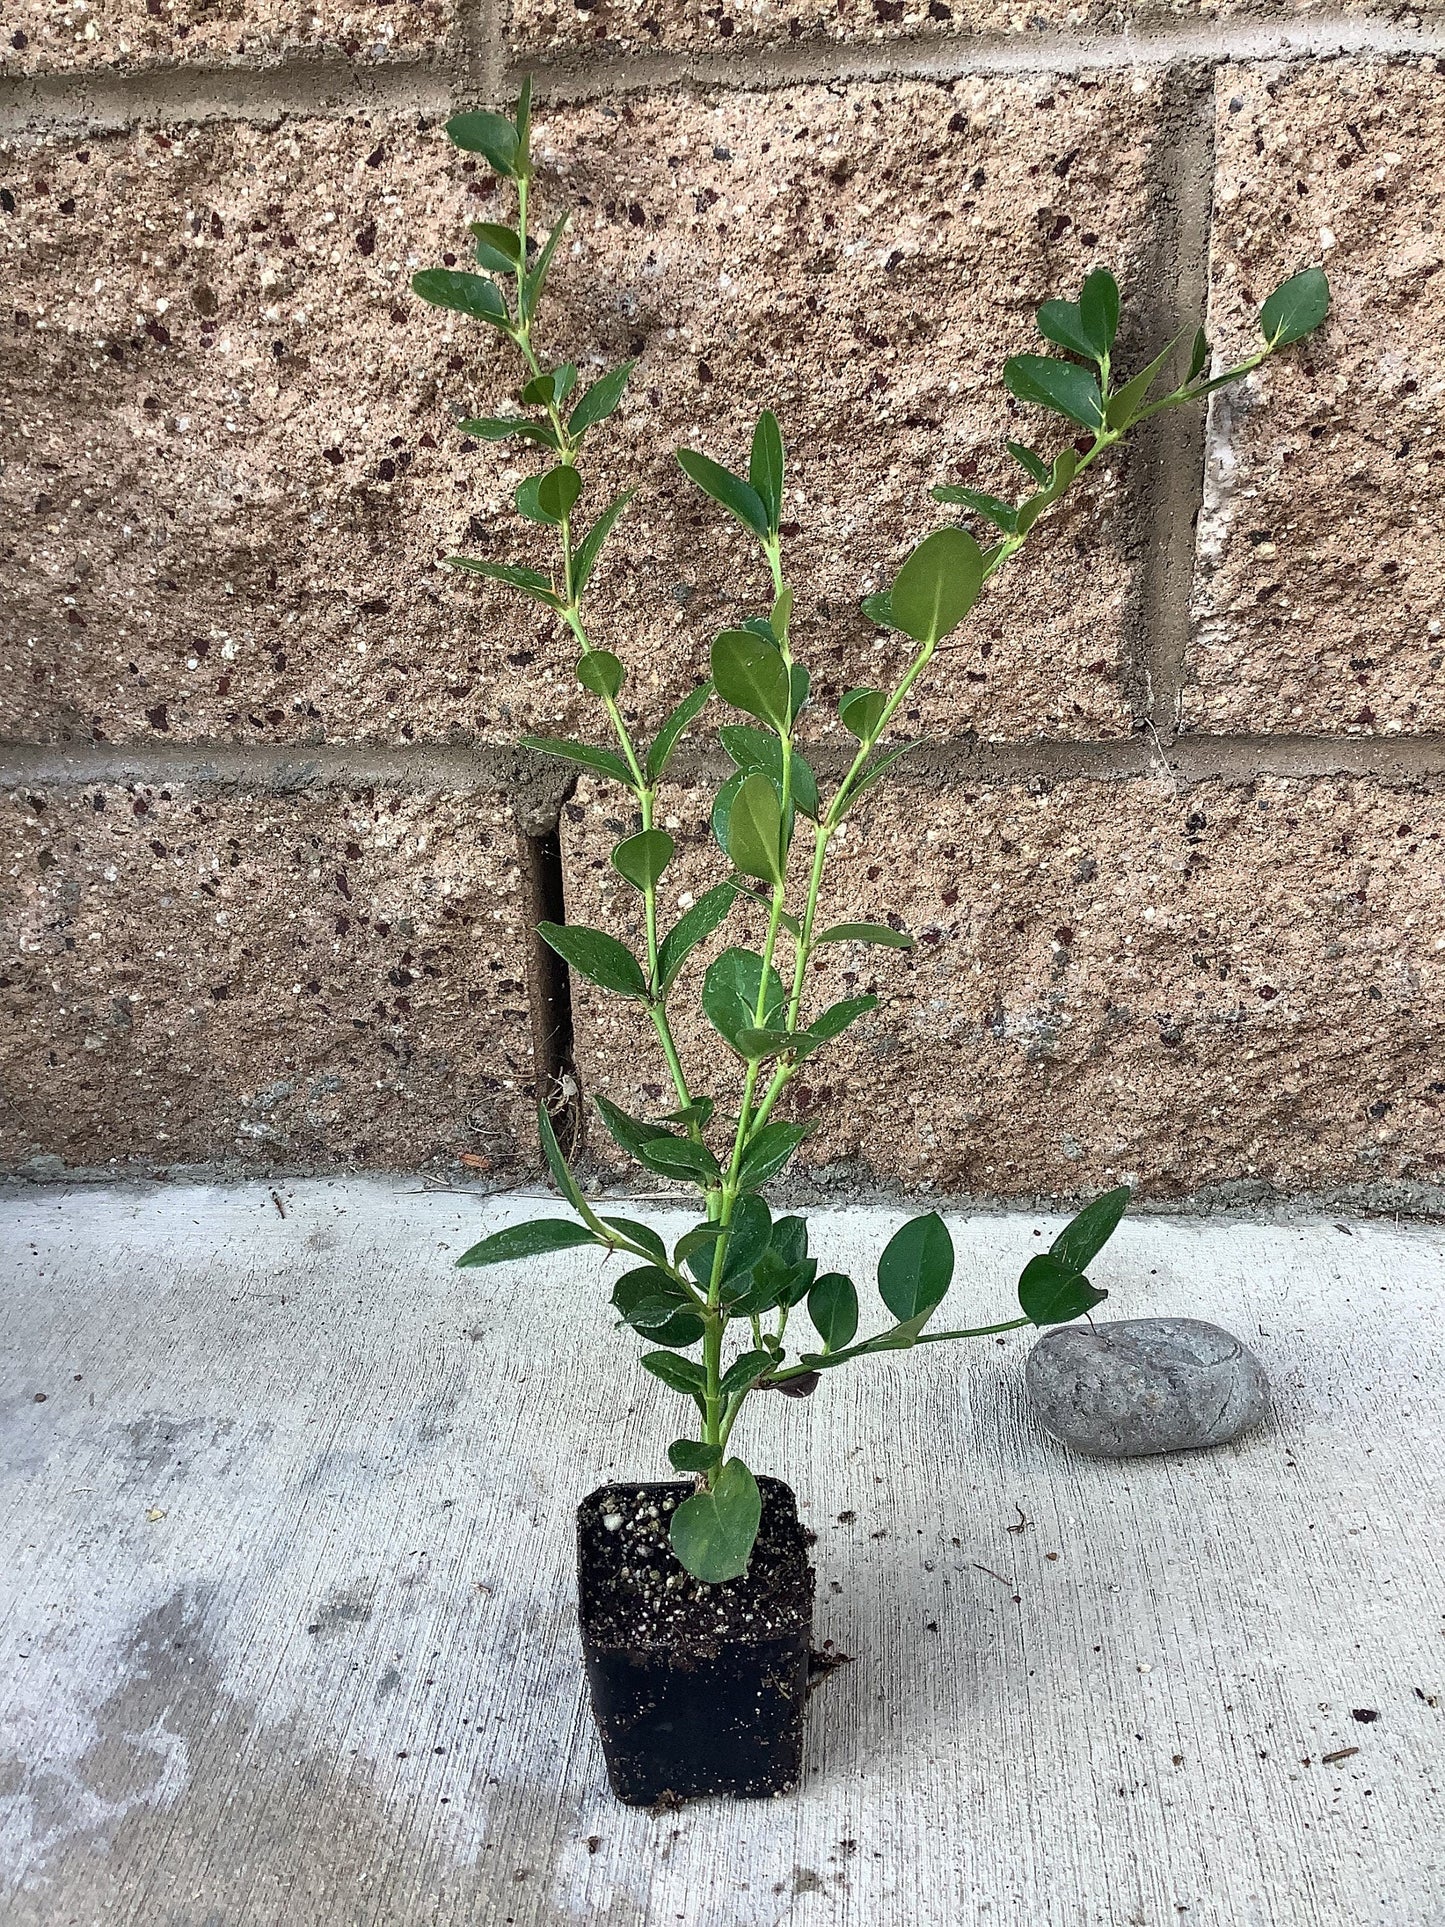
(469, 294)
(524, 500)
(861, 711)
(599, 958)
(557, 492)
(722, 807)
(656, 1305)
(676, 721)
(634, 1134)
(748, 1233)
(1062, 323)
(601, 762)
(682, 1374)
(738, 497)
(1296, 308)
(695, 925)
(866, 933)
(553, 386)
(833, 1308)
(1052, 1292)
(989, 507)
(641, 859)
(766, 1043)
(498, 428)
(937, 585)
(755, 829)
(758, 749)
(601, 672)
(698, 1112)
(640, 1234)
(1029, 462)
(527, 580)
(713, 1532)
(1084, 1236)
(536, 277)
(879, 609)
(751, 675)
(531, 1240)
(800, 685)
(679, 1157)
(1061, 386)
(836, 1019)
(491, 135)
(1199, 356)
(781, 615)
(501, 245)
(916, 1267)
(1126, 402)
(693, 1455)
(730, 994)
(524, 126)
(875, 772)
(600, 399)
(769, 1151)
(745, 1371)
(1099, 310)
(765, 468)
(590, 547)
(556, 1163)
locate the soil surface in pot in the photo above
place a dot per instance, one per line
(695, 1689)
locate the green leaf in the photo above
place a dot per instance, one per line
(800, 684)
(693, 1455)
(766, 1043)
(536, 277)
(490, 135)
(656, 1305)
(682, 1374)
(640, 1234)
(1296, 308)
(937, 585)
(498, 248)
(599, 401)
(557, 492)
(675, 723)
(691, 929)
(544, 390)
(866, 933)
(738, 497)
(758, 749)
(988, 506)
(1199, 355)
(699, 1112)
(1051, 1291)
(1084, 1237)
(601, 672)
(524, 126)
(875, 772)
(1099, 310)
(527, 580)
(745, 1371)
(836, 1019)
(556, 1163)
(524, 500)
(1128, 400)
(769, 1152)
(879, 609)
(748, 1232)
(590, 547)
(1029, 462)
(755, 829)
(765, 468)
(632, 1133)
(833, 1308)
(781, 615)
(641, 859)
(722, 808)
(713, 1532)
(1059, 385)
(1062, 323)
(530, 1240)
(916, 1267)
(470, 294)
(599, 958)
(861, 710)
(679, 1157)
(730, 995)
(601, 762)
(497, 428)
(752, 676)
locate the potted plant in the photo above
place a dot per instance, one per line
(696, 1596)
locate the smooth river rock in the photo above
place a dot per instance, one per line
(1141, 1385)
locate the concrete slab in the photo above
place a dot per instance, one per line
(288, 1634)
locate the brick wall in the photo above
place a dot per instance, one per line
(271, 854)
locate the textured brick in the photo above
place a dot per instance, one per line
(317, 980)
(734, 26)
(1321, 583)
(1233, 983)
(42, 36)
(216, 508)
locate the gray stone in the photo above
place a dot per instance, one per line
(1144, 1385)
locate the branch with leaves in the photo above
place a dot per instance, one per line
(716, 1308)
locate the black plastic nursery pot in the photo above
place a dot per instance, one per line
(695, 1689)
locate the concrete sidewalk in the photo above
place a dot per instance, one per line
(288, 1629)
